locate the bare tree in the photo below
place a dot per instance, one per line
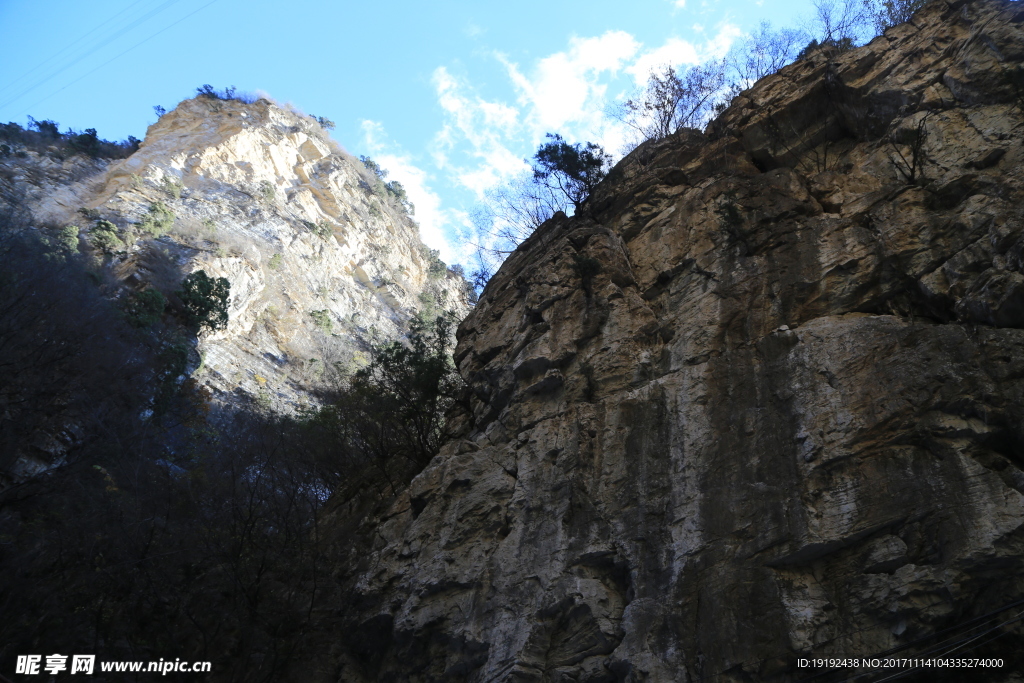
(511, 212)
(908, 154)
(888, 13)
(672, 101)
(563, 175)
(840, 23)
(763, 53)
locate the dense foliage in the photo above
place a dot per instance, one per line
(207, 91)
(388, 190)
(44, 137)
(571, 171)
(156, 525)
(205, 301)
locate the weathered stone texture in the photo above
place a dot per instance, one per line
(785, 416)
(263, 197)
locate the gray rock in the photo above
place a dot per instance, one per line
(744, 441)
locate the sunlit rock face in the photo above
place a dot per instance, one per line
(762, 398)
(321, 258)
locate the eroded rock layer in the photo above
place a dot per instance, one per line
(762, 398)
(321, 257)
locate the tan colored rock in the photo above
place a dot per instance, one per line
(262, 197)
(784, 419)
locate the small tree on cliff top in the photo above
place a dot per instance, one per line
(672, 101)
(572, 171)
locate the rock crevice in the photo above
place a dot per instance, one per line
(762, 397)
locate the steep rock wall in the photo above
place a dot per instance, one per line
(320, 258)
(762, 398)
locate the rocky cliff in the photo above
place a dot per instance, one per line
(761, 398)
(321, 257)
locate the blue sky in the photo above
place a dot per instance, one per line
(450, 96)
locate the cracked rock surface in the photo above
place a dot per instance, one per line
(321, 259)
(783, 418)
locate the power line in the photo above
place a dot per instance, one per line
(145, 40)
(102, 43)
(956, 646)
(66, 48)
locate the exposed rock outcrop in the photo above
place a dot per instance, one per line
(320, 256)
(762, 398)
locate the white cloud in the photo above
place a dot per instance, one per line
(482, 142)
(566, 87)
(723, 41)
(374, 136)
(485, 127)
(674, 52)
(679, 4)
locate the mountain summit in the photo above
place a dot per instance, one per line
(321, 254)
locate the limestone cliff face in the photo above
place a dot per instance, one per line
(320, 258)
(762, 398)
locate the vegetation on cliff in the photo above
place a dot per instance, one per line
(731, 412)
(44, 137)
(139, 514)
(155, 529)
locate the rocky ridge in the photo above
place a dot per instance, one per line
(762, 398)
(321, 259)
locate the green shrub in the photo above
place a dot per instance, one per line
(396, 190)
(275, 262)
(59, 244)
(45, 138)
(173, 187)
(104, 236)
(267, 191)
(67, 237)
(205, 301)
(207, 91)
(321, 229)
(158, 221)
(392, 416)
(143, 309)
(87, 143)
(429, 303)
(436, 268)
(322, 320)
(374, 167)
(572, 171)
